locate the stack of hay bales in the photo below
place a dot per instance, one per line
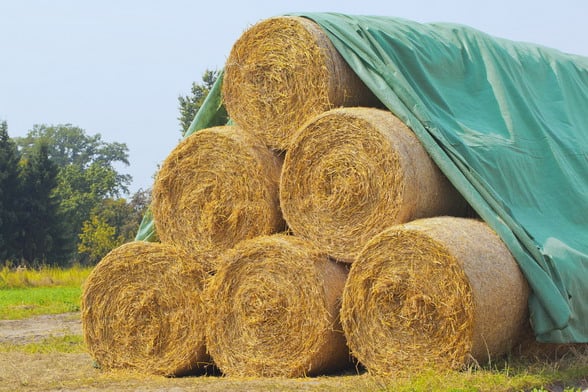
(323, 229)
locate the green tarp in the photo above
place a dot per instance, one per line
(507, 123)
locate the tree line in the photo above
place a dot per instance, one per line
(61, 197)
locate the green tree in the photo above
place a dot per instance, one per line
(42, 236)
(112, 223)
(9, 186)
(86, 170)
(191, 103)
(97, 238)
(68, 144)
(81, 190)
(138, 204)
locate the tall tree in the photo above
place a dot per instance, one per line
(43, 237)
(86, 170)
(9, 186)
(190, 104)
(70, 145)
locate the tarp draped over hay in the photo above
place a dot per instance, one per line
(506, 123)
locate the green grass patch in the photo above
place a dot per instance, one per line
(48, 290)
(528, 377)
(52, 344)
(21, 303)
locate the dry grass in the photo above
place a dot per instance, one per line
(352, 172)
(283, 71)
(216, 188)
(433, 293)
(42, 277)
(274, 310)
(142, 309)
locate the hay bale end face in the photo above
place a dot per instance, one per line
(433, 293)
(283, 71)
(142, 309)
(217, 187)
(274, 310)
(352, 172)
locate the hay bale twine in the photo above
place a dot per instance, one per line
(352, 172)
(216, 188)
(283, 71)
(433, 293)
(275, 310)
(142, 309)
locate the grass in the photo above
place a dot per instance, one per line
(21, 303)
(31, 292)
(51, 344)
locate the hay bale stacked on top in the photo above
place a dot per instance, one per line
(217, 187)
(352, 172)
(282, 72)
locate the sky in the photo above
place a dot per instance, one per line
(117, 67)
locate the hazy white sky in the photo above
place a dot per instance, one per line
(117, 67)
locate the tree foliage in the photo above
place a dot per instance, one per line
(70, 145)
(97, 239)
(9, 186)
(112, 223)
(82, 190)
(191, 103)
(42, 235)
(86, 173)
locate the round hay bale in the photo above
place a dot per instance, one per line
(352, 172)
(433, 293)
(142, 309)
(275, 310)
(283, 71)
(216, 188)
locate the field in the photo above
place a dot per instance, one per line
(41, 349)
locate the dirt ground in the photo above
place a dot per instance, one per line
(37, 328)
(76, 372)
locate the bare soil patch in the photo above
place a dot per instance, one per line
(75, 372)
(37, 328)
(21, 371)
